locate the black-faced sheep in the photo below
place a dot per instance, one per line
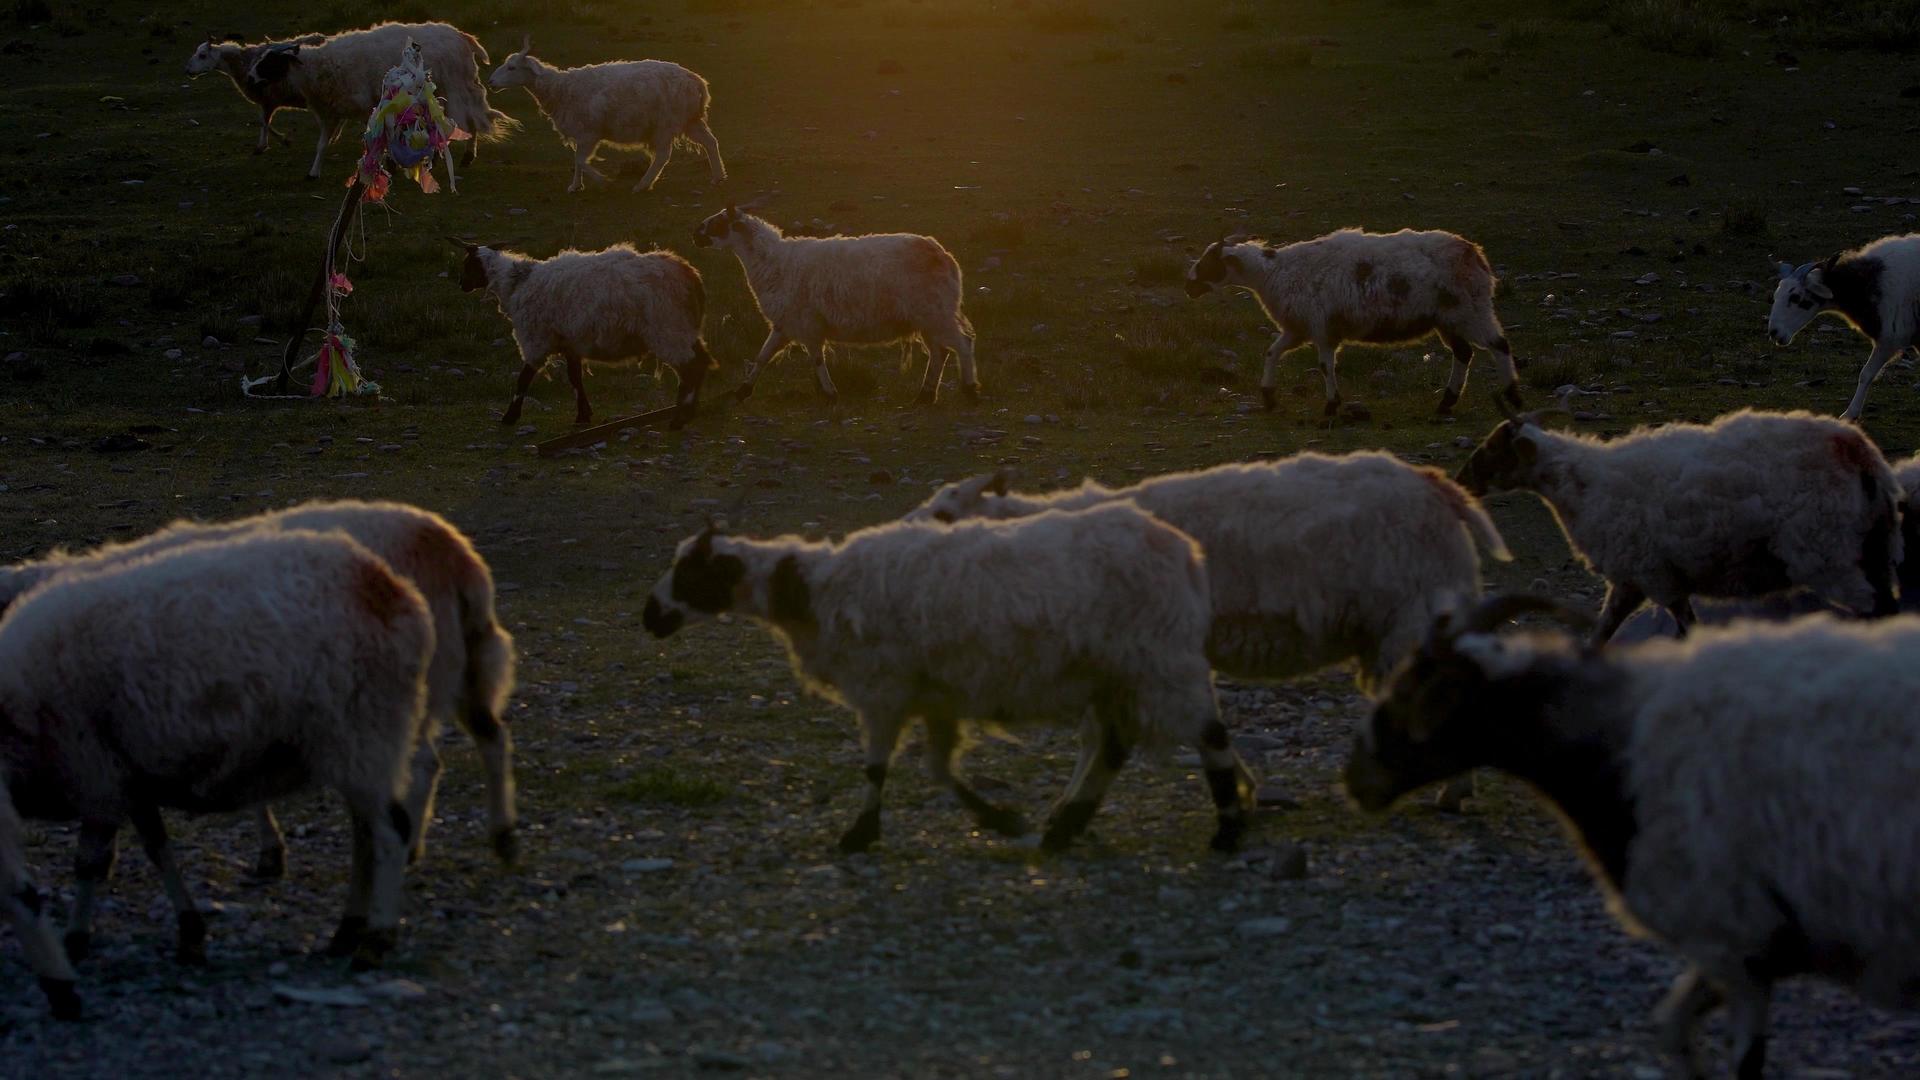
(468, 680)
(1751, 504)
(1744, 795)
(854, 289)
(228, 56)
(212, 678)
(626, 103)
(1021, 622)
(609, 305)
(339, 78)
(1376, 288)
(1876, 289)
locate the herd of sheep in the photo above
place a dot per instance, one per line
(1739, 791)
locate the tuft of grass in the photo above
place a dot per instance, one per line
(671, 786)
(1524, 36)
(1276, 55)
(1746, 217)
(1692, 28)
(1159, 268)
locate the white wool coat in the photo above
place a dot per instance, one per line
(608, 305)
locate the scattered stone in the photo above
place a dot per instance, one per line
(125, 281)
(1273, 795)
(397, 990)
(209, 342)
(646, 866)
(338, 997)
(1264, 927)
(880, 477)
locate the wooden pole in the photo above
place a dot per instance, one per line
(589, 436)
(348, 210)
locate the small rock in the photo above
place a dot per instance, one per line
(1647, 279)
(339, 998)
(880, 476)
(718, 1060)
(1032, 418)
(646, 866)
(1273, 795)
(173, 354)
(397, 990)
(1264, 927)
(125, 281)
(209, 342)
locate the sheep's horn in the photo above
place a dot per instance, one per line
(1803, 270)
(461, 244)
(1488, 614)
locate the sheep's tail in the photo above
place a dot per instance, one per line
(489, 681)
(1472, 515)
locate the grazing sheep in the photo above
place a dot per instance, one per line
(226, 55)
(1014, 622)
(853, 289)
(608, 305)
(339, 78)
(1744, 795)
(26, 910)
(1377, 288)
(1751, 504)
(628, 104)
(213, 678)
(469, 678)
(1876, 289)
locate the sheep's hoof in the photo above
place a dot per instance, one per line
(374, 947)
(583, 418)
(506, 846)
(61, 1000)
(866, 830)
(1067, 822)
(1001, 820)
(1448, 399)
(1512, 394)
(313, 176)
(1269, 398)
(743, 392)
(511, 416)
(190, 941)
(1227, 837)
(258, 150)
(466, 159)
(269, 865)
(79, 945)
(972, 392)
(346, 937)
(1332, 407)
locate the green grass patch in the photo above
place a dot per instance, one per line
(671, 786)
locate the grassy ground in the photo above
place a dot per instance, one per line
(1631, 200)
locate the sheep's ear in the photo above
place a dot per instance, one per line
(1816, 283)
(526, 44)
(1230, 258)
(1525, 448)
(703, 544)
(1786, 271)
(733, 212)
(997, 483)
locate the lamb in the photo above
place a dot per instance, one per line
(26, 910)
(1751, 504)
(855, 289)
(340, 76)
(1876, 289)
(627, 103)
(471, 673)
(612, 304)
(227, 55)
(1744, 795)
(212, 678)
(1377, 288)
(1016, 622)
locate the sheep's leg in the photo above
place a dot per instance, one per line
(1509, 367)
(421, 787)
(380, 877)
(931, 375)
(1103, 750)
(1876, 360)
(190, 944)
(943, 744)
(1329, 361)
(582, 168)
(453, 180)
(1679, 1013)
(26, 910)
(527, 371)
(699, 132)
(92, 868)
(1683, 614)
(353, 924)
(495, 744)
(821, 380)
(1747, 1004)
(774, 343)
(469, 152)
(662, 153)
(882, 732)
(270, 864)
(266, 132)
(1228, 782)
(1457, 378)
(1284, 342)
(582, 412)
(1620, 602)
(328, 129)
(692, 374)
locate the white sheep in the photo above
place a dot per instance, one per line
(470, 676)
(608, 305)
(1753, 503)
(646, 104)
(27, 911)
(1876, 289)
(1019, 622)
(1377, 288)
(227, 55)
(340, 78)
(853, 289)
(211, 678)
(1744, 795)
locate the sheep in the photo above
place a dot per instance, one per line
(1907, 475)
(212, 678)
(227, 55)
(1377, 288)
(607, 305)
(340, 78)
(1743, 795)
(1876, 289)
(854, 289)
(1751, 504)
(1013, 622)
(625, 104)
(26, 910)
(470, 676)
